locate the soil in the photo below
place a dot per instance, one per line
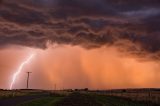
(18, 100)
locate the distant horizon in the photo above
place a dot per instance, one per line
(88, 89)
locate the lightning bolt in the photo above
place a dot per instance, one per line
(20, 69)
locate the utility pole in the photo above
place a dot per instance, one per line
(28, 79)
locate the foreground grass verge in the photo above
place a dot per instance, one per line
(84, 99)
(8, 94)
(117, 101)
(46, 101)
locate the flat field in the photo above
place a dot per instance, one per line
(80, 98)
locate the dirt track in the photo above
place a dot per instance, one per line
(18, 100)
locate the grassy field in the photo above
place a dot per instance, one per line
(10, 94)
(46, 101)
(79, 98)
(143, 95)
(5, 94)
(83, 99)
(117, 101)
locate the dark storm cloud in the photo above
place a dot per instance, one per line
(90, 23)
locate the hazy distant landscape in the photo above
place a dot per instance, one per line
(123, 97)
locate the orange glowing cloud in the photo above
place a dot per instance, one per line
(76, 67)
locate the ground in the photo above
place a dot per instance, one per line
(75, 98)
(84, 99)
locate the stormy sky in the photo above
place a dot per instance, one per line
(112, 32)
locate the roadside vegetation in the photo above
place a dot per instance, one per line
(6, 94)
(84, 99)
(46, 101)
(118, 101)
(70, 98)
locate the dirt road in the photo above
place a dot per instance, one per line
(18, 100)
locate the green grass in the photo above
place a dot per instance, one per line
(6, 95)
(116, 101)
(102, 99)
(46, 101)
(11, 94)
